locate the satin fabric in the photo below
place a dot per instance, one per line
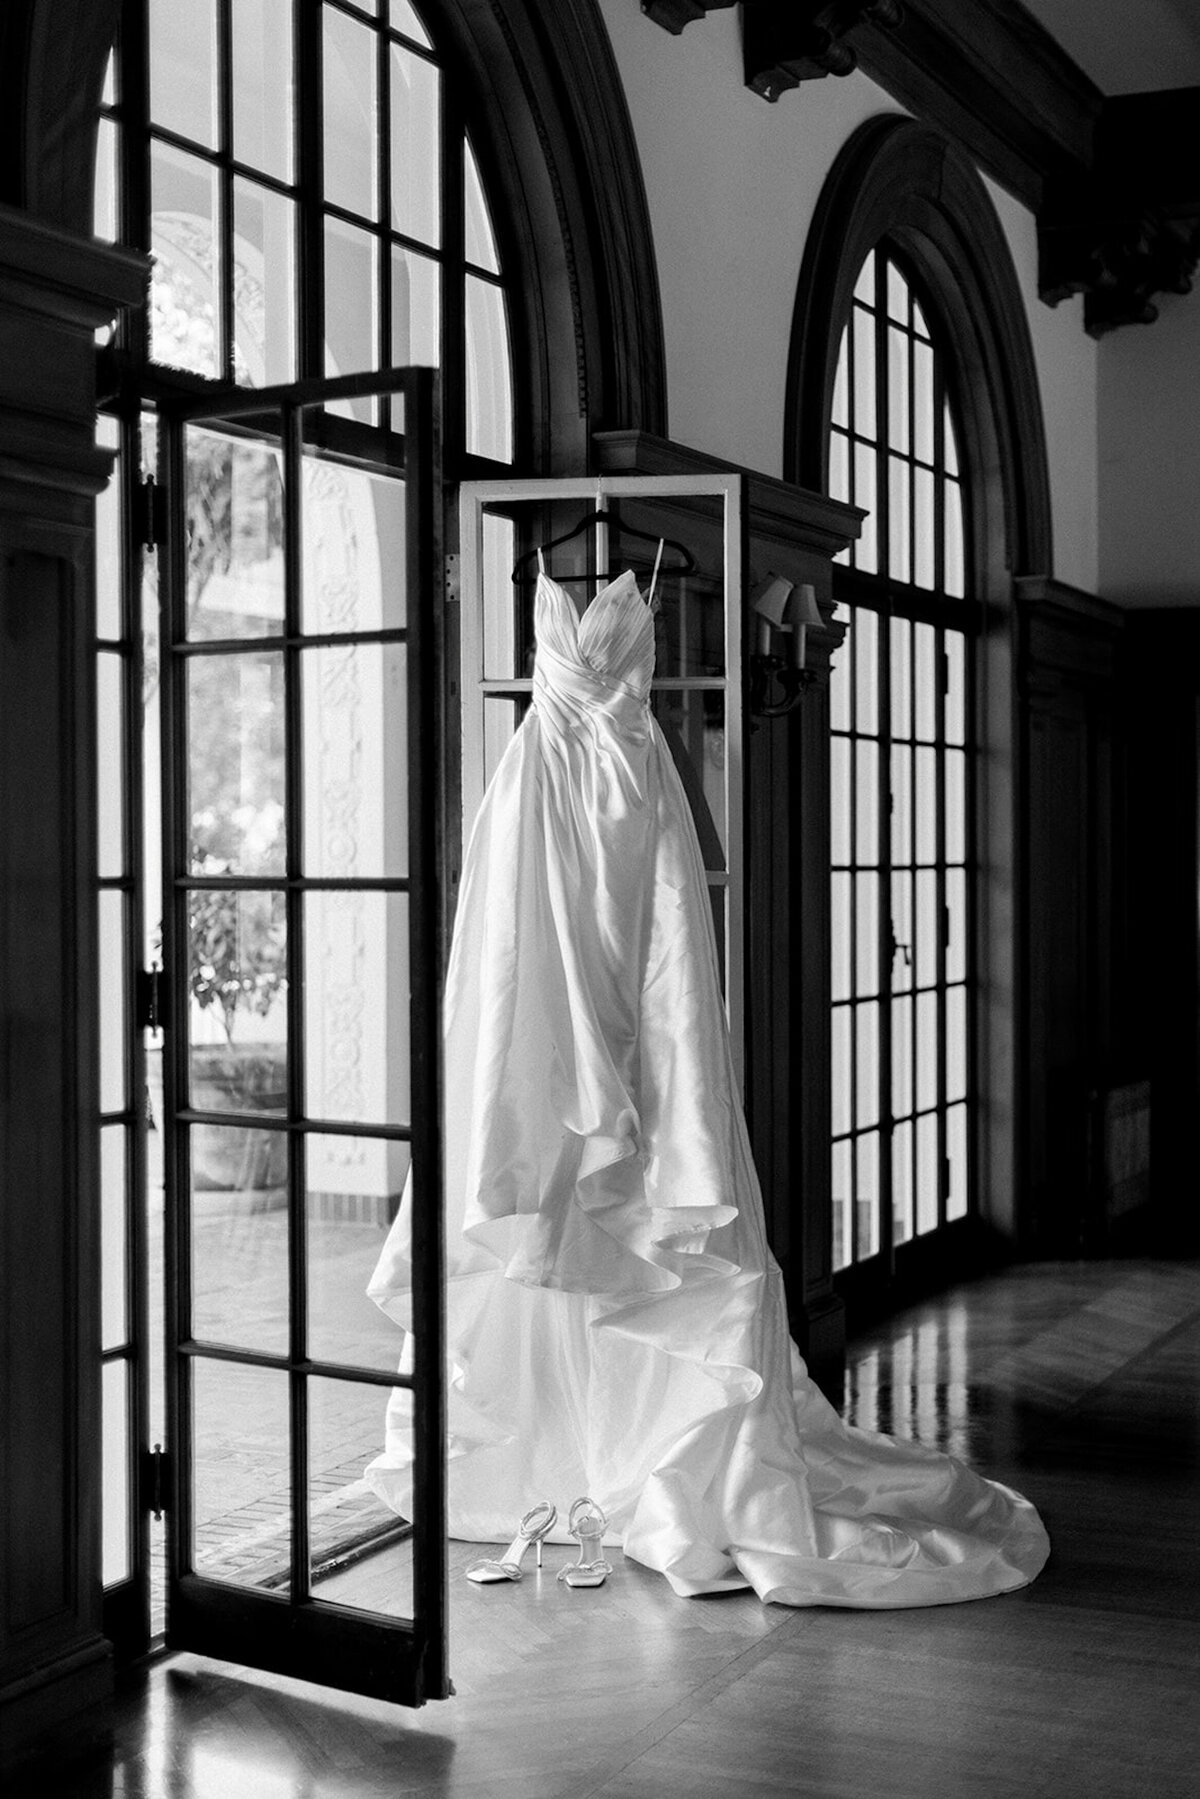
(616, 1320)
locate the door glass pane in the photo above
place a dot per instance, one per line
(235, 764)
(840, 814)
(902, 1056)
(354, 1186)
(866, 1035)
(956, 1156)
(361, 1547)
(839, 918)
(866, 1169)
(183, 89)
(348, 121)
(489, 376)
(110, 763)
(241, 1450)
(416, 328)
(956, 924)
(237, 979)
(239, 1237)
(926, 804)
(956, 1043)
(114, 1414)
(927, 1050)
(866, 803)
(928, 926)
(904, 953)
(866, 933)
(355, 759)
(843, 1092)
(261, 82)
(112, 1000)
(235, 537)
(415, 141)
(843, 1187)
(184, 286)
(356, 994)
(902, 1182)
(114, 1328)
(264, 285)
(955, 763)
(955, 702)
(927, 1173)
(693, 723)
(352, 549)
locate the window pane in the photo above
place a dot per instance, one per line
(899, 520)
(839, 477)
(839, 682)
(902, 1183)
(843, 1092)
(866, 933)
(864, 372)
(237, 979)
(108, 539)
(900, 632)
(110, 764)
(902, 932)
(261, 70)
(114, 1406)
(866, 1043)
(928, 927)
(345, 1513)
(926, 681)
(902, 1056)
(956, 1043)
(404, 17)
(114, 1328)
(264, 349)
(956, 805)
(235, 537)
(897, 295)
(112, 1000)
(841, 385)
(355, 756)
(351, 310)
(897, 390)
(842, 1200)
(950, 443)
(353, 549)
(926, 804)
(239, 1232)
(866, 550)
(241, 1448)
(415, 142)
(928, 1181)
(104, 206)
(924, 540)
(864, 287)
(693, 723)
(353, 1187)
(956, 1155)
(927, 1050)
(867, 1193)
(416, 326)
(356, 996)
(489, 377)
(954, 577)
(235, 726)
(183, 89)
(956, 924)
(840, 814)
(185, 281)
(864, 643)
(955, 702)
(866, 805)
(840, 931)
(922, 402)
(348, 127)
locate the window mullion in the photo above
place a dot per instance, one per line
(308, 124)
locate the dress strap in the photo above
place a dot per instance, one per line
(541, 561)
(654, 576)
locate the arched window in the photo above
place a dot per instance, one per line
(902, 972)
(912, 393)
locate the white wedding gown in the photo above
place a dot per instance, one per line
(617, 1324)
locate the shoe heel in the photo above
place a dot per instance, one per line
(537, 1550)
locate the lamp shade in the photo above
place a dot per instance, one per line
(770, 601)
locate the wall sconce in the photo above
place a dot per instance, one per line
(783, 614)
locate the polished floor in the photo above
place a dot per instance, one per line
(1079, 1383)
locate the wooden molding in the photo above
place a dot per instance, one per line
(673, 15)
(783, 46)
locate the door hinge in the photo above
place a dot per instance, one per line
(150, 513)
(152, 1007)
(453, 586)
(156, 1480)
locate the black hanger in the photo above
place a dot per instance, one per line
(685, 566)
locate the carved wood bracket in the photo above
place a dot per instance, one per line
(784, 46)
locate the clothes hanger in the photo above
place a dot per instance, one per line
(685, 566)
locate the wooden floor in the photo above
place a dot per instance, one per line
(1078, 1383)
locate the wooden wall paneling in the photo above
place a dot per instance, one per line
(54, 291)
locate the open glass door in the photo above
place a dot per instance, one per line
(301, 892)
(615, 522)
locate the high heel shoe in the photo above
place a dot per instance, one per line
(533, 1528)
(587, 1522)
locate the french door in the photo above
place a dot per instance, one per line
(292, 679)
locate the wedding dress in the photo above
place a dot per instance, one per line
(616, 1319)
